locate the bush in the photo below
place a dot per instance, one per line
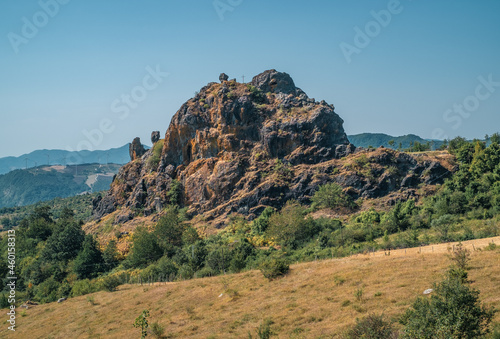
(154, 160)
(264, 330)
(109, 283)
(46, 292)
(174, 193)
(461, 257)
(274, 267)
(331, 196)
(82, 287)
(371, 327)
(289, 227)
(157, 330)
(166, 268)
(453, 311)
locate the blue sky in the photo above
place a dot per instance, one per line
(62, 82)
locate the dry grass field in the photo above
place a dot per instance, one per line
(315, 300)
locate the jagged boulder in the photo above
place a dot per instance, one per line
(275, 82)
(155, 136)
(136, 149)
(223, 77)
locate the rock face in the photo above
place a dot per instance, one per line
(241, 147)
(136, 150)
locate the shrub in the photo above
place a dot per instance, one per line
(4, 303)
(157, 330)
(186, 272)
(453, 311)
(359, 294)
(289, 227)
(166, 268)
(46, 292)
(174, 193)
(491, 247)
(154, 160)
(91, 300)
(331, 196)
(264, 330)
(82, 287)
(461, 257)
(109, 283)
(371, 327)
(274, 267)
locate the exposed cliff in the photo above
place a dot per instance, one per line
(241, 147)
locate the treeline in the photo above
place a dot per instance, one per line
(81, 205)
(56, 259)
(51, 257)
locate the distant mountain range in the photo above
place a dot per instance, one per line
(60, 157)
(28, 186)
(379, 139)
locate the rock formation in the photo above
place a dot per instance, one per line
(237, 148)
(223, 77)
(136, 150)
(155, 136)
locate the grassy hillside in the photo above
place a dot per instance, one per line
(26, 187)
(315, 300)
(379, 139)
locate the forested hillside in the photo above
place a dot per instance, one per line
(43, 183)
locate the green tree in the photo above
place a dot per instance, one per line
(110, 255)
(290, 227)
(495, 138)
(145, 248)
(391, 143)
(275, 266)
(169, 230)
(5, 222)
(331, 196)
(65, 242)
(260, 224)
(89, 262)
(452, 311)
(371, 327)
(142, 323)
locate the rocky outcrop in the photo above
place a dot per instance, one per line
(136, 150)
(155, 136)
(223, 77)
(237, 148)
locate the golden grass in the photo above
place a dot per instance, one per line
(314, 300)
